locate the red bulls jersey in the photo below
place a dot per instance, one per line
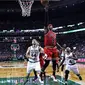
(50, 39)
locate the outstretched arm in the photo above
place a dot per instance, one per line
(59, 45)
(62, 61)
(45, 30)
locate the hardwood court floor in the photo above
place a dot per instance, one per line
(18, 69)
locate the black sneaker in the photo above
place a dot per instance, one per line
(80, 77)
(35, 79)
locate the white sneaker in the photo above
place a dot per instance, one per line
(42, 82)
(54, 79)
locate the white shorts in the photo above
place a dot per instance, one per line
(73, 68)
(31, 66)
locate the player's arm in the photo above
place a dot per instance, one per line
(59, 56)
(27, 53)
(45, 30)
(75, 57)
(25, 58)
(59, 45)
(62, 61)
(43, 53)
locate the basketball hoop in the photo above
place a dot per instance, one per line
(26, 6)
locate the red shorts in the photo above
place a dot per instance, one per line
(52, 53)
(57, 61)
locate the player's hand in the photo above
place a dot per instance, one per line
(28, 56)
(34, 58)
(25, 62)
(45, 56)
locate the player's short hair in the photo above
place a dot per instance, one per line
(68, 49)
(34, 41)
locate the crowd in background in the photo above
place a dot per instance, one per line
(6, 53)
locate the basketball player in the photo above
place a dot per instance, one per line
(50, 49)
(70, 59)
(33, 53)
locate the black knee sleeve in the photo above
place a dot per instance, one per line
(66, 75)
(66, 72)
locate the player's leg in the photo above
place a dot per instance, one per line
(47, 61)
(35, 75)
(45, 65)
(66, 76)
(43, 69)
(54, 67)
(75, 69)
(38, 70)
(29, 69)
(67, 71)
(26, 79)
(57, 65)
(42, 75)
(54, 71)
(62, 67)
(55, 57)
(79, 76)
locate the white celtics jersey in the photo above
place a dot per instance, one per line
(34, 52)
(68, 59)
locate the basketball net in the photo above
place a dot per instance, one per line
(26, 6)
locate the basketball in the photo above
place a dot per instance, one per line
(44, 2)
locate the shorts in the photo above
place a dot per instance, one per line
(52, 53)
(73, 68)
(31, 66)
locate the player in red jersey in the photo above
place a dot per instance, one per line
(50, 49)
